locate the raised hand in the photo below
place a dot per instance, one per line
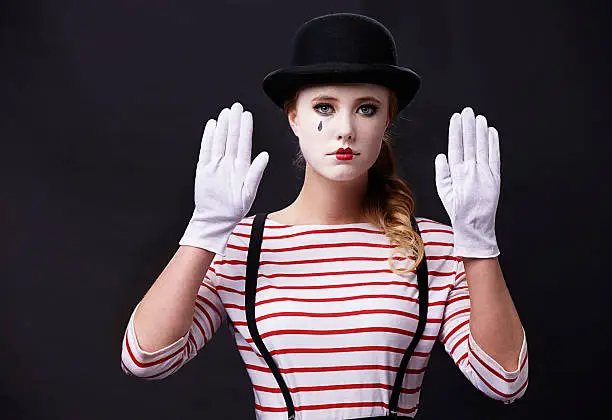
(226, 181)
(469, 184)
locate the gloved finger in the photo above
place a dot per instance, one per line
(455, 143)
(494, 154)
(245, 141)
(233, 133)
(443, 176)
(468, 126)
(444, 184)
(482, 140)
(207, 141)
(253, 178)
(220, 137)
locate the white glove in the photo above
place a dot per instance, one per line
(469, 184)
(226, 181)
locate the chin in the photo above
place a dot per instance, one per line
(341, 174)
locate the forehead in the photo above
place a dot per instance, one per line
(348, 91)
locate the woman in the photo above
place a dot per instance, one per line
(335, 301)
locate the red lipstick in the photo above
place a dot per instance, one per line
(345, 154)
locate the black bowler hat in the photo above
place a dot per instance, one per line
(342, 48)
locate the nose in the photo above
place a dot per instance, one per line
(345, 129)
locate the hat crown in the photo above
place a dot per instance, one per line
(345, 38)
(342, 48)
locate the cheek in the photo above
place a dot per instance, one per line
(371, 153)
(376, 147)
(371, 140)
(312, 147)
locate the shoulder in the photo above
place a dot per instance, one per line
(246, 221)
(242, 230)
(238, 241)
(429, 224)
(240, 236)
(437, 236)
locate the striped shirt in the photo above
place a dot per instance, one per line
(336, 320)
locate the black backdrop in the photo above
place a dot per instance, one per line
(103, 105)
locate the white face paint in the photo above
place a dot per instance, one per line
(354, 116)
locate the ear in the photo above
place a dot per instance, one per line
(292, 117)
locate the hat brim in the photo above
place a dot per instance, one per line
(283, 83)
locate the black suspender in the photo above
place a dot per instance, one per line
(423, 284)
(251, 288)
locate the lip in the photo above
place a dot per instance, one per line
(344, 156)
(344, 152)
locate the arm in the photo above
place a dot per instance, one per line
(494, 321)
(180, 312)
(506, 383)
(155, 344)
(480, 310)
(173, 293)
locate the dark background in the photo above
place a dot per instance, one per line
(103, 105)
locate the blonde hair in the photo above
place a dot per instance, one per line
(388, 202)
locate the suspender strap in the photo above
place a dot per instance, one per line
(423, 283)
(250, 289)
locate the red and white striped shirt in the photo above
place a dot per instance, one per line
(336, 320)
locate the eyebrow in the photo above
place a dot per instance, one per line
(331, 98)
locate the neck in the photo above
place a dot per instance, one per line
(323, 201)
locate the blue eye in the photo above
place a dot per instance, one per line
(371, 107)
(322, 105)
(365, 109)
